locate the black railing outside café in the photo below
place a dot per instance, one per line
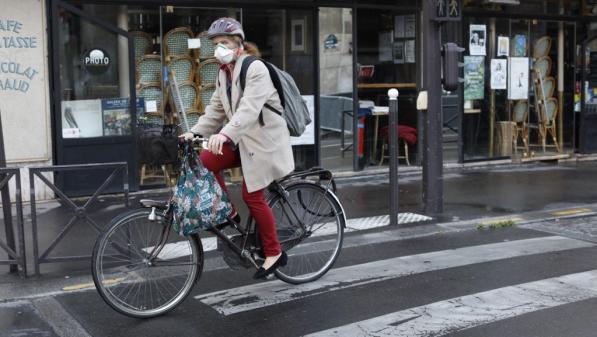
(78, 212)
(14, 247)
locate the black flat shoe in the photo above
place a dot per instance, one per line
(262, 273)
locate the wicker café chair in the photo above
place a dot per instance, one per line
(150, 170)
(520, 115)
(207, 47)
(542, 47)
(149, 69)
(176, 42)
(542, 66)
(549, 86)
(192, 117)
(547, 123)
(208, 72)
(205, 94)
(183, 67)
(142, 42)
(152, 92)
(188, 94)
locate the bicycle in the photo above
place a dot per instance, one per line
(142, 269)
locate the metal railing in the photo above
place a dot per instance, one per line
(15, 250)
(79, 212)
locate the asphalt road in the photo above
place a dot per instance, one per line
(503, 282)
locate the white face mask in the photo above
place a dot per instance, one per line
(223, 54)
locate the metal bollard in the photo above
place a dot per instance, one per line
(393, 143)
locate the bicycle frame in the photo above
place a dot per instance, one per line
(243, 250)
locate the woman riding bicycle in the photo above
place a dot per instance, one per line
(260, 145)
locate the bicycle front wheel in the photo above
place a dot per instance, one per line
(134, 276)
(310, 225)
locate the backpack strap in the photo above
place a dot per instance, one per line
(273, 76)
(243, 70)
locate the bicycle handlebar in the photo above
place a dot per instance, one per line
(196, 140)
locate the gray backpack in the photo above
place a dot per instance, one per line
(295, 110)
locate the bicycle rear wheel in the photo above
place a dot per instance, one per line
(310, 225)
(131, 279)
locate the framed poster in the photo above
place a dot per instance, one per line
(308, 137)
(410, 26)
(297, 35)
(520, 46)
(474, 77)
(499, 74)
(398, 52)
(518, 78)
(399, 26)
(84, 116)
(503, 48)
(477, 40)
(410, 51)
(385, 46)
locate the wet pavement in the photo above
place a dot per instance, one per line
(22, 319)
(469, 194)
(422, 274)
(540, 198)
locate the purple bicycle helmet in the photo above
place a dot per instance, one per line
(225, 26)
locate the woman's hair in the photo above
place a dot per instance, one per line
(251, 49)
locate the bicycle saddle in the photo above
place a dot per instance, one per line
(159, 204)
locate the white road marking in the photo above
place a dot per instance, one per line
(182, 248)
(231, 301)
(449, 316)
(179, 249)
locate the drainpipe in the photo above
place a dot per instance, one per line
(492, 42)
(561, 79)
(123, 53)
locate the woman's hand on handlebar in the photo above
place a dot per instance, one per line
(187, 136)
(216, 143)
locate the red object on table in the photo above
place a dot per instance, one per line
(361, 145)
(405, 132)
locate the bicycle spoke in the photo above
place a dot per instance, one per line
(172, 264)
(317, 217)
(148, 288)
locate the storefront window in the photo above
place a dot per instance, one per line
(285, 38)
(174, 72)
(518, 93)
(95, 88)
(386, 57)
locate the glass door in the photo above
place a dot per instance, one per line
(94, 92)
(336, 87)
(386, 58)
(588, 115)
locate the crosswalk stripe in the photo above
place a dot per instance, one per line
(231, 301)
(352, 225)
(449, 316)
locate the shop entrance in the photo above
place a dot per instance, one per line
(588, 115)
(93, 93)
(519, 89)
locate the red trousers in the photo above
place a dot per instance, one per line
(260, 210)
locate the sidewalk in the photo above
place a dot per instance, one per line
(473, 197)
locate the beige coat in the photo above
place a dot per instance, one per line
(265, 151)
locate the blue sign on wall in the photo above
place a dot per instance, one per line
(330, 42)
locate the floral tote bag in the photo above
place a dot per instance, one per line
(199, 201)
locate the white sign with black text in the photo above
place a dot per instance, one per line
(518, 78)
(499, 74)
(477, 40)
